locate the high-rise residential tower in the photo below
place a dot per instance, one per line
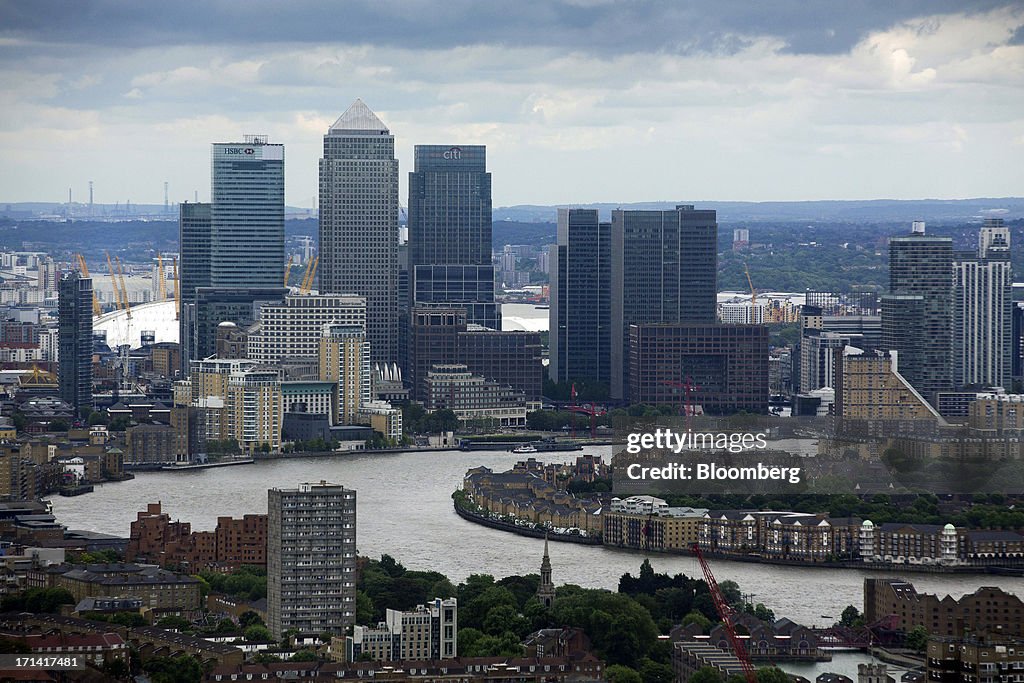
(450, 231)
(359, 222)
(983, 310)
(663, 270)
(74, 308)
(311, 559)
(233, 247)
(580, 313)
(921, 329)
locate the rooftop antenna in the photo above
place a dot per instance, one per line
(167, 204)
(90, 197)
(68, 215)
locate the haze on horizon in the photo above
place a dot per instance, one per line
(578, 101)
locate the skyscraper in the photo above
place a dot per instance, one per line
(580, 313)
(450, 231)
(982, 310)
(311, 559)
(247, 213)
(921, 265)
(74, 308)
(359, 222)
(663, 270)
(233, 247)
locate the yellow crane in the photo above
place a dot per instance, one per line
(113, 279)
(124, 288)
(96, 311)
(161, 282)
(177, 290)
(287, 269)
(307, 281)
(753, 292)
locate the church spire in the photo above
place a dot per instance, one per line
(546, 589)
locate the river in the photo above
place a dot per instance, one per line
(405, 510)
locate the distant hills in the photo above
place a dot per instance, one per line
(853, 211)
(729, 213)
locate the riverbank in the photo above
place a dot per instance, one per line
(524, 531)
(731, 557)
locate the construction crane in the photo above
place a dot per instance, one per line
(686, 389)
(307, 280)
(161, 283)
(124, 288)
(589, 409)
(753, 292)
(177, 290)
(113, 279)
(287, 269)
(96, 311)
(725, 612)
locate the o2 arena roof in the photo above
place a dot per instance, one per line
(156, 317)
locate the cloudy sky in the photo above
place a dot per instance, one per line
(577, 100)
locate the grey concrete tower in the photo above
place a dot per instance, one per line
(359, 222)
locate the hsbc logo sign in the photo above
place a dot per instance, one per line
(239, 151)
(453, 153)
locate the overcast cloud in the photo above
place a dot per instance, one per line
(577, 101)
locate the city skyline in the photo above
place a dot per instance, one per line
(805, 103)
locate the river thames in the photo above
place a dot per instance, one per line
(405, 510)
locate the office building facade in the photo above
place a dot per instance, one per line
(579, 318)
(74, 308)
(311, 559)
(232, 249)
(292, 328)
(247, 213)
(450, 231)
(727, 366)
(983, 310)
(663, 270)
(359, 222)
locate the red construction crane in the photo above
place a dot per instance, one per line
(589, 409)
(725, 612)
(686, 389)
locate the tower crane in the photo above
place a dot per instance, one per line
(96, 311)
(307, 281)
(124, 288)
(177, 290)
(113, 279)
(753, 292)
(161, 283)
(725, 612)
(287, 269)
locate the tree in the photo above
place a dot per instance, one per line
(706, 674)
(304, 656)
(772, 674)
(851, 617)
(258, 634)
(731, 591)
(616, 673)
(249, 618)
(917, 638)
(174, 623)
(58, 426)
(183, 669)
(699, 619)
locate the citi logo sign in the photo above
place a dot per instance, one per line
(453, 153)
